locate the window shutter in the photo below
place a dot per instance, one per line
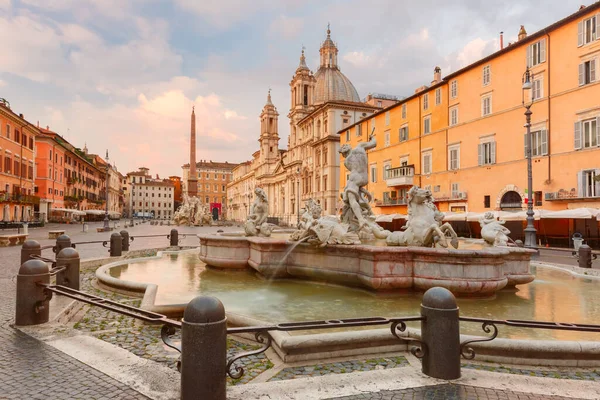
(577, 135)
(597, 183)
(581, 74)
(597, 131)
(530, 55)
(597, 26)
(543, 50)
(593, 70)
(580, 184)
(480, 154)
(493, 152)
(579, 34)
(525, 144)
(544, 142)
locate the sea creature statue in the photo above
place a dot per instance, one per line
(256, 224)
(424, 226)
(493, 232)
(312, 212)
(192, 212)
(322, 231)
(356, 211)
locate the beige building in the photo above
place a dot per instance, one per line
(321, 104)
(213, 178)
(150, 197)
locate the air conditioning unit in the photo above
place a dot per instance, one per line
(550, 195)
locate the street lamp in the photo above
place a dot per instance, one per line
(530, 232)
(106, 226)
(132, 200)
(298, 194)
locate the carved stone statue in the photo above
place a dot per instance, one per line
(356, 211)
(493, 232)
(256, 224)
(424, 226)
(192, 212)
(322, 231)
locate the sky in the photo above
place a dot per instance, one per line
(123, 75)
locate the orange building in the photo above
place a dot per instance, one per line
(50, 179)
(17, 190)
(463, 136)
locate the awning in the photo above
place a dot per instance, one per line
(94, 212)
(389, 217)
(455, 216)
(519, 215)
(476, 216)
(68, 210)
(576, 213)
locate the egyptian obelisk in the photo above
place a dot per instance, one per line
(193, 176)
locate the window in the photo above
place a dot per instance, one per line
(454, 157)
(438, 96)
(587, 72)
(379, 103)
(587, 30)
(486, 75)
(222, 188)
(359, 130)
(486, 105)
(589, 183)
(387, 138)
(427, 125)
(537, 89)
(347, 136)
(404, 110)
(325, 183)
(453, 116)
(373, 173)
(454, 89)
(427, 163)
(536, 53)
(487, 153)
(486, 201)
(539, 140)
(403, 134)
(8, 131)
(537, 198)
(587, 133)
(387, 118)
(454, 190)
(425, 101)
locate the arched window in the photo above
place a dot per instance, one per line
(511, 200)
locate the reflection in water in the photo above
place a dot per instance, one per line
(554, 296)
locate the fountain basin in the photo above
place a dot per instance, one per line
(477, 273)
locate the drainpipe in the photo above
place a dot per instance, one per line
(549, 108)
(420, 156)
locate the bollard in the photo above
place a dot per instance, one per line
(203, 350)
(585, 256)
(30, 248)
(174, 237)
(32, 303)
(63, 241)
(116, 245)
(440, 333)
(68, 258)
(125, 236)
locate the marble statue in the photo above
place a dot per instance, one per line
(424, 226)
(256, 224)
(192, 212)
(322, 231)
(356, 211)
(493, 232)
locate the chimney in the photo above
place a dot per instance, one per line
(437, 75)
(501, 40)
(522, 33)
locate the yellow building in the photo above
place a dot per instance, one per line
(463, 136)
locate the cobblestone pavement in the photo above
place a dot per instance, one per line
(340, 368)
(448, 392)
(579, 374)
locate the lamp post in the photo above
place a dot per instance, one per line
(106, 226)
(298, 195)
(530, 232)
(132, 200)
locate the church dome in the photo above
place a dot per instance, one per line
(331, 83)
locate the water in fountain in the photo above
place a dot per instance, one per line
(285, 256)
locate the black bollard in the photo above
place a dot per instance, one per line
(203, 350)
(30, 248)
(116, 245)
(32, 304)
(62, 242)
(441, 334)
(174, 237)
(125, 236)
(68, 258)
(585, 256)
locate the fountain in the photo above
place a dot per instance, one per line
(192, 212)
(341, 251)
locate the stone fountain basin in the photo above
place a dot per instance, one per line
(475, 273)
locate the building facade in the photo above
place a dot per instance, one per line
(50, 179)
(150, 197)
(212, 179)
(17, 170)
(320, 105)
(464, 136)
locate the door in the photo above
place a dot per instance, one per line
(215, 214)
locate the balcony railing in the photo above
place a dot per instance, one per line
(391, 202)
(567, 195)
(454, 196)
(18, 198)
(400, 176)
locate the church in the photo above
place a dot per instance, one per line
(322, 104)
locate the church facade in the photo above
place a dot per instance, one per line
(322, 104)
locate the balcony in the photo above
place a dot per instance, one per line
(400, 176)
(391, 202)
(18, 198)
(568, 195)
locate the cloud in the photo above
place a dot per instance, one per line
(286, 27)
(475, 50)
(5, 5)
(2, 83)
